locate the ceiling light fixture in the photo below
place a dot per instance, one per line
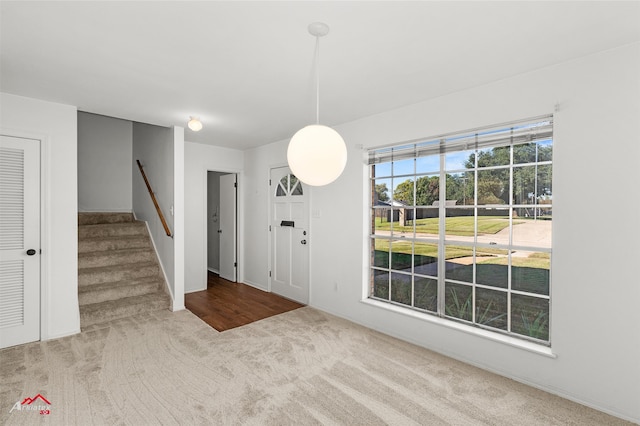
(194, 124)
(317, 154)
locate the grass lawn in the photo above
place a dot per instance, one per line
(529, 314)
(535, 260)
(431, 250)
(461, 225)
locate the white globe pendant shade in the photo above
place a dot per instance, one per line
(317, 155)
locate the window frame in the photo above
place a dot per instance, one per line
(439, 147)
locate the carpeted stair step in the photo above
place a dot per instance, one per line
(118, 270)
(115, 257)
(106, 311)
(98, 293)
(103, 217)
(90, 245)
(105, 274)
(112, 230)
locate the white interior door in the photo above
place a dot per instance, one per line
(227, 230)
(19, 241)
(289, 236)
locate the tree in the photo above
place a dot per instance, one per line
(427, 191)
(490, 191)
(460, 188)
(493, 184)
(404, 192)
(381, 192)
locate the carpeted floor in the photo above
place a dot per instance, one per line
(303, 367)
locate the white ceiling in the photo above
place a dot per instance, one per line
(246, 68)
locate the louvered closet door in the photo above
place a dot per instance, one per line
(19, 241)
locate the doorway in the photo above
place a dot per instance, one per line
(19, 240)
(289, 226)
(222, 224)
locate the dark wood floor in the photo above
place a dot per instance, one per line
(225, 304)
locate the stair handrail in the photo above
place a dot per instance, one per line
(155, 201)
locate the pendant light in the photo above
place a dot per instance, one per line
(317, 154)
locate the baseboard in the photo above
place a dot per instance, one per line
(215, 271)
(178, 308)
(61, 335)
(254, 285)
(104, 211)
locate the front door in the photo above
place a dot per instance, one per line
(228, 262)
(289, 236)
(19, 241)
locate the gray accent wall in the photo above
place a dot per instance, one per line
(154, 147)
(104, 163)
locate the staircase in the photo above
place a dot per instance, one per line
(118, 271)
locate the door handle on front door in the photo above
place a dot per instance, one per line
(303, 242)
(31, 252)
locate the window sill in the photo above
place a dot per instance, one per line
(507, 340)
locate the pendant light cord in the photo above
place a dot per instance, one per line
(317, 80)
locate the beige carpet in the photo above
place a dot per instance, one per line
(302, 367)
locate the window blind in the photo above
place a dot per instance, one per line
(514, 133)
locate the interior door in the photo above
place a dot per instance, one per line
(289, 236)
(227, 230)
(19, 240)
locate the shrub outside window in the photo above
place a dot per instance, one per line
(461, 227)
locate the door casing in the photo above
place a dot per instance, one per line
(299, 288)
(228, 227)
(206, 223)
(33, 307)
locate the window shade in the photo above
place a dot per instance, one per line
(515, 133)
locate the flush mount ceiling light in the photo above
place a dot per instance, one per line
(194, 124)
(317, 154)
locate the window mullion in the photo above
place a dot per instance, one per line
(442, 194)
(510, 250)
(474, 273)
(413, 242)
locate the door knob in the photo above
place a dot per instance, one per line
(303, 242)
(31, 252)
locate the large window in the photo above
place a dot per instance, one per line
(461, 227)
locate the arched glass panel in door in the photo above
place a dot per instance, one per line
(289, 185)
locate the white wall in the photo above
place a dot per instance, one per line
(200, 158)
(178, 217)
(213, 221)
(154, 147)
(56, 126)
(257, 165)
(595, 289)
(104, 163)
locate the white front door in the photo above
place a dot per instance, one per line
(289, 236)
(19, 241)
(227, 230)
